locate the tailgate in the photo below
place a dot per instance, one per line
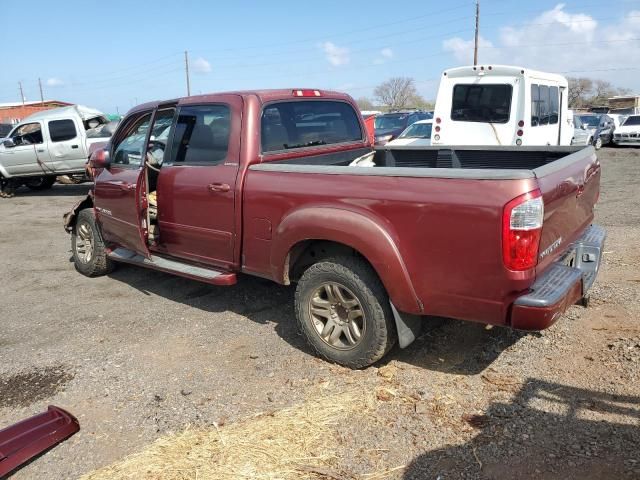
(570, 188)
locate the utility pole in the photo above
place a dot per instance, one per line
(41, 94)
(475, 48)
(186, 70)
(21, 93)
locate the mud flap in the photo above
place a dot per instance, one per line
(25, 440)
(407, 325)
(69, 218)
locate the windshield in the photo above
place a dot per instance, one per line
(417, 130)
(390, 122)
(590, 120)
(635, 120)
(481, 103)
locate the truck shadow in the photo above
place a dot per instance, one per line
(548, 431)
(446, 345)
(57, 190)
(455, 346)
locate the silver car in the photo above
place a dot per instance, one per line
(581, 134)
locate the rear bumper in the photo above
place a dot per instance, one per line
(563, 284)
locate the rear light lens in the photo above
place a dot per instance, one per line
(520, 133)
(521, 123)
(437, 128)
(307, 93)
(438, 120)
(521, 228)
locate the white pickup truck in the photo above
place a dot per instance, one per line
(47, 144)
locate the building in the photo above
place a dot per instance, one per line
(15, 112)
(625, 104)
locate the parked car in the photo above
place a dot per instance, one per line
(581, 136)
(370, 249)
(629, 132)
(389, 125)
(5, 128)
(501, 105)
(46, 144)
(417, 134)
(600, 126)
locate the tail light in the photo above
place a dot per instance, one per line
(521, 227)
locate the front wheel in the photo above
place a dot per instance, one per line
(343, 311)
(598, 143)
(40, 183)
(89, 254)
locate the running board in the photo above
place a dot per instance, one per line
(207, 275)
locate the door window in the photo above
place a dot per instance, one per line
(129, 150)
(62, 130)
(201, 135)
(554, 105)
(159, 137)
(28, 134)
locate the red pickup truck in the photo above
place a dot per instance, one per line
(285, 185)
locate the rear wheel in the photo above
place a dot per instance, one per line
(89, 253)
(40, 183)
(343, 311)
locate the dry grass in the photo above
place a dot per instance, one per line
(295, 443)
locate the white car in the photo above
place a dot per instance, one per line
(417, 135)
(629, 132)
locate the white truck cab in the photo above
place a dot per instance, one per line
(46, 144)
(501, 105)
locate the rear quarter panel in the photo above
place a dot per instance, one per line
(447, 233)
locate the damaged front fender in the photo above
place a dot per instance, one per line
(69, 218)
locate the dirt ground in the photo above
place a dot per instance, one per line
(139, 354)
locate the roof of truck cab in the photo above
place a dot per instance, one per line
(264, 96)
(64, 112)
(502, 71)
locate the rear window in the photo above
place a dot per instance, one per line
(481, 103)
(417, 130)
(304, 124)
(391, 121)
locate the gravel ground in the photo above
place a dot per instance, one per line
(138, 354)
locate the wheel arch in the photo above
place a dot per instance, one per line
(71, 217)
(316, 232)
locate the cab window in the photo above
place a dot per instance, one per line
(27, 134)
(481, 103)
(129, 149)
(201, 135)
(62, 130)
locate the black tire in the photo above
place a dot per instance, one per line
(40, 183)
(598, 143)
(378, 334)
(96, 263)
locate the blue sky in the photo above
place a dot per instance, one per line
(113, 54)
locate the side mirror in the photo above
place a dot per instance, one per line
(100, 159)
(8, 143)
(583, 126)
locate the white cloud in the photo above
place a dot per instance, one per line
(200, 65)
(462, 49)
(54, 82)
(385, 54)
(334, 54)
(562, 41)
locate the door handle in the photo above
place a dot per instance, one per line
(219, 187)
(41, 150)
(74, 146)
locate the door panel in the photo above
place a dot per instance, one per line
(118, 189)
(66, 145)
(197, 183)
(22, 158)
